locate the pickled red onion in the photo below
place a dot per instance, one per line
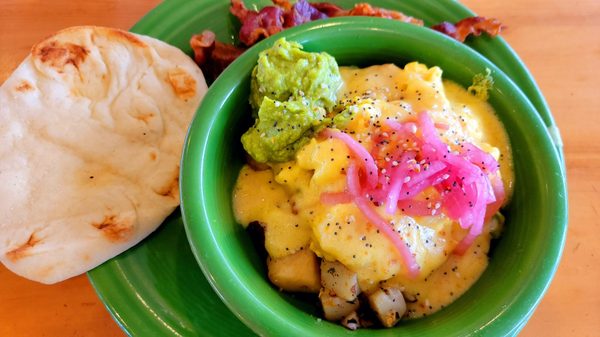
(433, 168)
(392, 198)
(398, 176)
(477, 156)
(359, 151)
(353, 181)
(375, 219)
(466, 193)
(430, 135)
(498, 190)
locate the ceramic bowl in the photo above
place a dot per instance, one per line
(522, 262)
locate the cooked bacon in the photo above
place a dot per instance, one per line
(285, 4)
(273, 19)
(223, 55)
(327, 8)
(203, 45)
(470, 26)
(214, 56)
(364, 9)
(257, 25)
(302, 12)
(238, 9)
(211, 55)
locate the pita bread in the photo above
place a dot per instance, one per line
(92, 125)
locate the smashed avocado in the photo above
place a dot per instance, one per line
(281, 129)
(291, 90)
(349, 110)
(482, 84)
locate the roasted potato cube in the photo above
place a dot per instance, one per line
(339, 281)
(388, 303)
(298, 272)
(336, 308)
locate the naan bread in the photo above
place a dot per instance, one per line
(92, 125)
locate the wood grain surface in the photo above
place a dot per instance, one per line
(558, 40)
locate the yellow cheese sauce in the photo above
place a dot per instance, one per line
(285, 199)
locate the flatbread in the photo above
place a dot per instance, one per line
(92, 125)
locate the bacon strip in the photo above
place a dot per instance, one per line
(364, 9)
(302, 12)
(470, 26)
(211, 55)
(285, 4)
(327, 8)
(203, 45)
(257, 25)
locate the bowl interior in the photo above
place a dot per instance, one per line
(521, 264)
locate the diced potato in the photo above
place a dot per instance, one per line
(336, 308)
(339, 281)
(351, 322)
(388, 303)
(298, 272)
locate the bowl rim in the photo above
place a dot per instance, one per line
(198, 220)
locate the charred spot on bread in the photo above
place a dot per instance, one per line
(172, 190)
(23, 250)
(24, 86)
(145, 117)
(182, 83)
(115, 229)
(134, 40)
(58, 55)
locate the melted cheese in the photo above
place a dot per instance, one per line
(445, 284)
(257, 197)
(286, 199)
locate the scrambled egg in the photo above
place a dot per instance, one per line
(286, 198)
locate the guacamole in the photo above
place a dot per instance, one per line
(291, 90)
(482, 84)
(281, 129)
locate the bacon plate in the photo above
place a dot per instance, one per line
(213, 56)
(270, 20)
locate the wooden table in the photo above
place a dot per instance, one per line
(558, 40)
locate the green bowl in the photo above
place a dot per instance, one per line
(522, 263)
